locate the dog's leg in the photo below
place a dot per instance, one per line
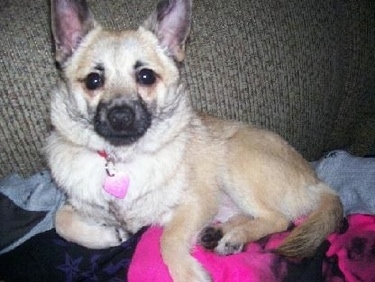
(270, 181)
(73, 227)
(230, 237)
(178, 238)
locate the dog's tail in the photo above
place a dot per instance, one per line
(307, 237)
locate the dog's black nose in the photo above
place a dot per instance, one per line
(122, 122)
(121, 118)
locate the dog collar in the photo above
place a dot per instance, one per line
(103, 154)
(116, 183)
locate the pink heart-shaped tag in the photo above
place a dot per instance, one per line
(117, 185)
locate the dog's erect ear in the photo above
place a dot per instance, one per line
(171, 23)
(71, 21)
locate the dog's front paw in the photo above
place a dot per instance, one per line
(75, 228)
(121, 235)
(112, 236)
(191, 271)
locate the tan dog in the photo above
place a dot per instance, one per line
(129, 151)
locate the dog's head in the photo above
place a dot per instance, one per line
(117, 84)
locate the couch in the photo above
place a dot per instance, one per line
(305, 69)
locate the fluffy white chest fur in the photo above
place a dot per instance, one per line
(155, 183)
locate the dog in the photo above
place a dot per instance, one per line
(128, 150)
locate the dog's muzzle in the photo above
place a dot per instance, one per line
(122, 123)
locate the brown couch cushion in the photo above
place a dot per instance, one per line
(304, 69)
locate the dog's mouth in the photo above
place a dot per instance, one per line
(122, 123)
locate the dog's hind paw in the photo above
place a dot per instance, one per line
(228, 248)
(210, 237)
(213, 238)
(229, 244)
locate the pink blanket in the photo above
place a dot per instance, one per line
(350, 257)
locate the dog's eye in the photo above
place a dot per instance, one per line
(146, 77)
(94, 81)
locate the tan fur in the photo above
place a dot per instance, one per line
(187, 171)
